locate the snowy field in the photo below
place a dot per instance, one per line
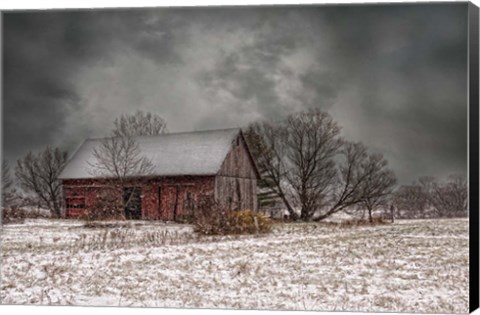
(410, 266)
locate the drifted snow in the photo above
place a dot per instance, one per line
(410, 266)
(189, 153)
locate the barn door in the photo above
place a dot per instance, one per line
(169, 203)
(132, 199)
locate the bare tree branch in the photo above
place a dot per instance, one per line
(119, 157)
(267, 146)
(139, 124)
(364, 179)
(39, 174)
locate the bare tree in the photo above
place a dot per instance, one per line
(378, 184)
(39, 174)
(311, 141)
(119, 160)
(298, 157)
(139, 124)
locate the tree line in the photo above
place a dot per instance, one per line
(428, 197)
(306, 167)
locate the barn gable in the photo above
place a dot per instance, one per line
(239, 161)
(236, 182)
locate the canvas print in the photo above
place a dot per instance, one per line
(304, 157)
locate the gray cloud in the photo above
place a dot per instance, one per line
(394, 76)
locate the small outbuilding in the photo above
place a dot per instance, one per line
(187, 167)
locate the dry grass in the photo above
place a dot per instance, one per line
(408, 266)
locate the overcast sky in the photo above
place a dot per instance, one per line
(394, 77)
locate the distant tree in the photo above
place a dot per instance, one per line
(7, 184)
(411, 201)
(139, 124)
(426, 182)
(378, 184)
(428, 197)
(450, 198)
(39, 174)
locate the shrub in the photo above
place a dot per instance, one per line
(18, 214)
(108, 206)
(249, 222)
(12, 215)
(212, 219)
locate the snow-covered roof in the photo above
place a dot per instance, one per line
(173, 154)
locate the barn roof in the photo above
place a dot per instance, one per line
(173, 154)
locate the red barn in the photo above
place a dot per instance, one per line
(187, 167)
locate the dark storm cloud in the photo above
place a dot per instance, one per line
(42, 52)
(34, 95)
(406, 63)
(393, 76)
(257, 73)
(421, 51)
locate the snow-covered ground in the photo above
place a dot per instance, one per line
(410, 266)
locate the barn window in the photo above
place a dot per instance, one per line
(132, 200)
(75, 203)
(238, 141)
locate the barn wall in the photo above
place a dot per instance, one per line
(236, 182)
(162, 198)
(238, 162)
(166, 198)
(236, 193)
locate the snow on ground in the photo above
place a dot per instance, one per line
(409, 266)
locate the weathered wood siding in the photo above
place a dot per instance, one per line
(236, 193)
(163, 198)
(238, 163)
(236, 182)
